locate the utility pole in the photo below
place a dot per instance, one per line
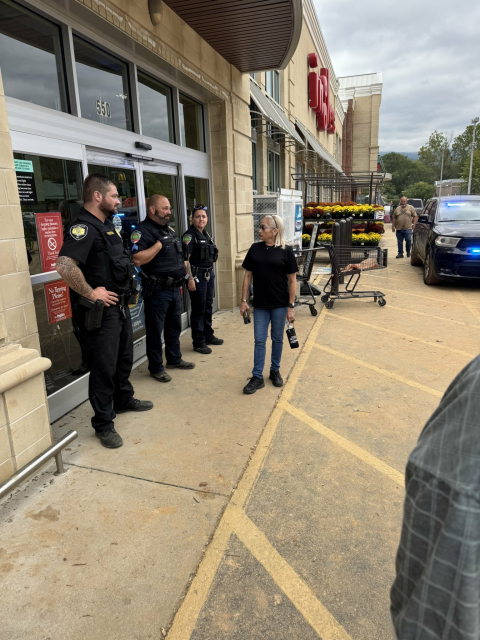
(474, 122)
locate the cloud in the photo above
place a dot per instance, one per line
(429, 53)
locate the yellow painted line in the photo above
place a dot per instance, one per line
(417, 295)
(429, 315)
(296, 590)
(468, 304)
(186, 618)
(352, 448)
(402, 335)
(385, 372)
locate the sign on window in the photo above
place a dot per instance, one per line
(103, 108)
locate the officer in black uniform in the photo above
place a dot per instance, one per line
(200, 250)
(158, 251)
(100, 274)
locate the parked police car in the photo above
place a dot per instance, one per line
(446, 239)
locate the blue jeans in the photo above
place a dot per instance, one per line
(401, 234)
(261, 319)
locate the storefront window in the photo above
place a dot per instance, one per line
(102, 86)
(31, 57)
(273, 171)
(46, 185)
(254, 166)
(191, 123)
(299, 169)
(155, 108)
(272, 85)
(196, 192)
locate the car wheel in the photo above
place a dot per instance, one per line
(429, 276)
(415, 259)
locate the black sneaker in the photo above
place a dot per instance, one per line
(109, 438)
(136, 405)
(254, 384)
(276, 378)
(182, 365)
(215, 340)
(400, 255)
(161, 376)
(204, 349)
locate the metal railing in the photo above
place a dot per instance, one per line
(54, 451)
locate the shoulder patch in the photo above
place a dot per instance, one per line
(187, 238)
(79, 231)
(136, 235)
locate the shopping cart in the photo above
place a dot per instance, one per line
(349, 262)
(305, 260)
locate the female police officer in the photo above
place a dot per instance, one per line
(201, 251)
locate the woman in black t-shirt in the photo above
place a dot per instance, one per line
(273, 266)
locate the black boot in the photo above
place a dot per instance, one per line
(254, 384)
(276, 378)
(203, 349)
(136, 405)
(109, 438)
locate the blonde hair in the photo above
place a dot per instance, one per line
(279, 237)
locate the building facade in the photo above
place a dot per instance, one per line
(196, 101)
(361, 97)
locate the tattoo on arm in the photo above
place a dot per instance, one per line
(68, 269)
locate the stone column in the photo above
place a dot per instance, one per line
(24, 421)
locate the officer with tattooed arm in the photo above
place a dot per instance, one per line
(158, 251)
(100, 274)
(200, 250)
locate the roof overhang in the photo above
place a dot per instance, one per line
(327, 161)
(271, 112)
(252, 35)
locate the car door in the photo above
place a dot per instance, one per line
(422, 231)
(431, 219)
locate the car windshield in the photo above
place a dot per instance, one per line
(452, 210)
(415, 203)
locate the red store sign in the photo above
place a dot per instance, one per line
(319, 94)
(50, 238)
(58, 301)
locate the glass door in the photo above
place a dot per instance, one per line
(50, 192)
(166, 184)
(124, 173)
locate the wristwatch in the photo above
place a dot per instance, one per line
(187, 276)
(243, 300)
(290, 305)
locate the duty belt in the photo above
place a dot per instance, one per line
(150, 283)
(199, 270)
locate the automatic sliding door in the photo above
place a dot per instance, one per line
(166, 185)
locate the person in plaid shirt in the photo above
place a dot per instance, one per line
(436, 592)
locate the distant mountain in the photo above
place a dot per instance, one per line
(413, 155)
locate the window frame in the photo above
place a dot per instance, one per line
(276, 171)
(171, 108)
(274, 77)
(203, 137)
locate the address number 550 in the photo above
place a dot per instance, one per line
(103, 108)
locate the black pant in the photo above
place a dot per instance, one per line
(163, 312)
(109, 355)
(202, 310)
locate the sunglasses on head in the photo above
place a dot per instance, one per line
(199, 207)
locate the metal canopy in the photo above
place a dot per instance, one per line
(347, 186)
(319, 150)
(273, 113)
(253, 35)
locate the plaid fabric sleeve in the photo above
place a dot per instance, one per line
(436, 593)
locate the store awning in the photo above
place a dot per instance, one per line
(318, 148)
(273, 113)
(253, 35)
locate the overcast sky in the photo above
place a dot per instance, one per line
(429, 53)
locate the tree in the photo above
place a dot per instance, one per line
(475, 173)
(430, 156)
(404, 173)
(422, 190)
(461, 147)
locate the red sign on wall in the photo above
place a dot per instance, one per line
(58, 301)
(319, 98)
(50, 238)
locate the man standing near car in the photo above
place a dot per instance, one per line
(158, 251)
(404, 219)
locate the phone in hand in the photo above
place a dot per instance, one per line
(246, 316)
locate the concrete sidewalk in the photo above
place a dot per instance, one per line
(108, 550)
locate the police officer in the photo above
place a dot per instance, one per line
(158, 251)
(200, 250)
(100, 274)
